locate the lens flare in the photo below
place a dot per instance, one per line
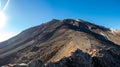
(2, 19)
(2, 14)
(6, 5)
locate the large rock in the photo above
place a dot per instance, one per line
(103, 58)
(36, 63)
(77, 59)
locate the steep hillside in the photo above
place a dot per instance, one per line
(56, 39)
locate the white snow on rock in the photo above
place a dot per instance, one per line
(78, 20)
(104, 36)
(113, 30)
(23, 64)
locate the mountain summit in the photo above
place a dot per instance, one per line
(63, 43)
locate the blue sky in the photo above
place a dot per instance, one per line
(22, 14)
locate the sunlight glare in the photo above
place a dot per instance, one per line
(2, 19)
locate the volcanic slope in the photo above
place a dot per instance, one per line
(51, 41)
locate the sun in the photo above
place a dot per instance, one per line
(2, 19)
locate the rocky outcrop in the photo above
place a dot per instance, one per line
(36, 63)
(81, 59)
(101, 58)
(104, 58)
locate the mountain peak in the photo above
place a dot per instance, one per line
(56, 39)
(54, 20)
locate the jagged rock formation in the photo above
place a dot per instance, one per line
(105, 58)
(77, 59)
(50, 42)
(81, 59)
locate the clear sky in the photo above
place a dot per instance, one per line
(22, 14)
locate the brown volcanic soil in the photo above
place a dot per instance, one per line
(56, 39)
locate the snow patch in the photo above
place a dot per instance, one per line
(113, 30)
(104, 36)
(78, 20)
(23, 64)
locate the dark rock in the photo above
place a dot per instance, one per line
(82, 59)
(36, 63)
(35, 48)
